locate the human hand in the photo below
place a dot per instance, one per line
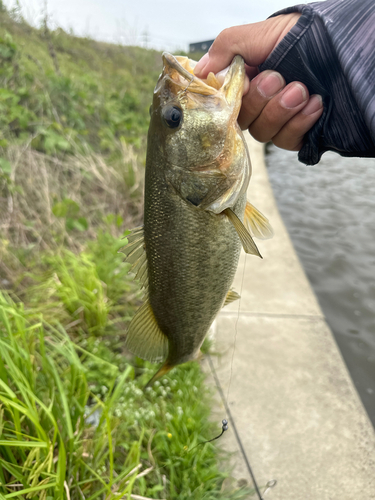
(271, 110)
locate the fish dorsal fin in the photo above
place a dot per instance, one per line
(144, 337)
(247, 241)
(256, 223)
(135, 251)
(231, 297)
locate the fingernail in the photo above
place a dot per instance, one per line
(271, 84)
(315, 103)
(294, 96)
(201, 64)
(221, 75)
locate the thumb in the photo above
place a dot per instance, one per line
(254, 42)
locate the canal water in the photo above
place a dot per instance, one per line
(329, 210)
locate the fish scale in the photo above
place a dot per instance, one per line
(189, 279)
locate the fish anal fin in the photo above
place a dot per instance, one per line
(231, 297)
(246, 239)
(256, 223)
(144, 337)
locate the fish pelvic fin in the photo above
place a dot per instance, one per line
(144, 337)
(162, 371)
(246, 239)
(256, 223)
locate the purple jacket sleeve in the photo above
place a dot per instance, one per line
(331, 50)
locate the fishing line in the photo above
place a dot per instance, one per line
(236, 329)
(225, 421)
(183, 92)
(239, 442)
(226, 400)
(187, 451)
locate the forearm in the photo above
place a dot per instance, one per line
(331, 50)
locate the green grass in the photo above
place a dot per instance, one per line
(46, 446)
(75, 423)
(84, 93)
(63, 367)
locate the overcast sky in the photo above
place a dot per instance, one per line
(162, 24)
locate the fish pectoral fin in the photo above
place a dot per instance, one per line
(135, 252)
(231, 297)
(144, 337)
(247, 241)
(257, 223)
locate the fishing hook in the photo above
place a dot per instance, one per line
(223, 429)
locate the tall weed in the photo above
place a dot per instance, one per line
(65, 93)
(73, 425)
(47, 449)
(51, 204)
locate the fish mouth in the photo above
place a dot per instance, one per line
(181, 70)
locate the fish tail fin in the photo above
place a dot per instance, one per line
(162, 371)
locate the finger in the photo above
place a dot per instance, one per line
(278, 111)
(292, 133)
(221, 78)
(254, 42)
(230, 42)
(251, 71)
(225, 47)
(262, 88)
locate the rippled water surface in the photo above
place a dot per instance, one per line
(329, 210)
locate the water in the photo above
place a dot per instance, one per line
(329, 210)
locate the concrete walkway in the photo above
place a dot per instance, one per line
(293, 403)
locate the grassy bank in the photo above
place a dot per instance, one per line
(76, 424)
(74, 420)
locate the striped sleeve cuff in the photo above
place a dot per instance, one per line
(308, 54)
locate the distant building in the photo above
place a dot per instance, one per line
(200, 46)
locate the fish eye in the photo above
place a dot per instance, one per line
(172, 116)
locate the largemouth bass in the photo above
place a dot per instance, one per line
(196, 216)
